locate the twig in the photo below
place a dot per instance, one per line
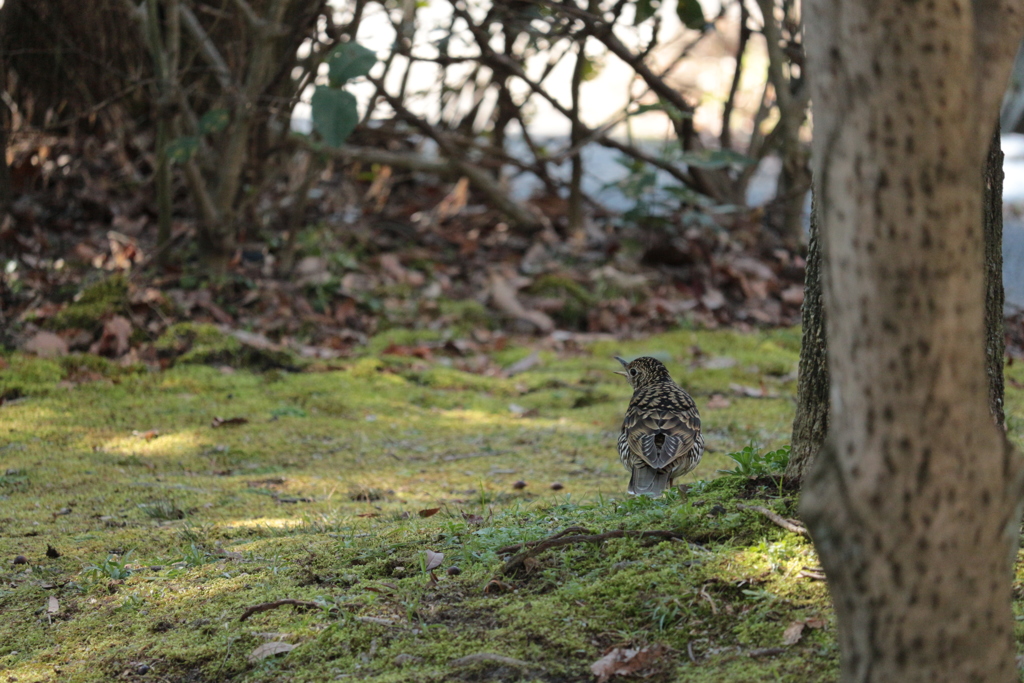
(266, 606)
(491, 657)
(209, 51)
(812, 574)
(778, 519)
(565, 532)
(726, 137)
(513, 565)
(689, 651)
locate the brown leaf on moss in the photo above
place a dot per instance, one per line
(429, 512)
(434, 560)
(793, 632)
(115, 340)
(621, 661)
(269, 650)
(46, 345)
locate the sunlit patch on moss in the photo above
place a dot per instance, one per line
(452, 462)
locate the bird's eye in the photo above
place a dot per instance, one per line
(632, 372)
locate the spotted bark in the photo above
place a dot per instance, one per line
(810, 425)
(914, 503)
(992, 224)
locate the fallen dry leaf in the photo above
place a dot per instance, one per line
(52, 606)
(429, 512)
(114, 341)
(46, 345)
(421, 352)
(434, 560)
(793, 632)
(717, 401)
(222, 422)
(454, 201)
(622, 661)
(523, 365)
(269, 650)
(815, 622)
(503, 296)
(147, 435)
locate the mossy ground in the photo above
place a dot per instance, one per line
(165, 541)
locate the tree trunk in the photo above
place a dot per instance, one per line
(992, 224)
(914, 503)
(810, 426)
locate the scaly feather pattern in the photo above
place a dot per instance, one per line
(660, 438)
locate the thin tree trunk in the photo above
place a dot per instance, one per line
(810, 426)
(576, 135)
(914, 503)
(992, 224)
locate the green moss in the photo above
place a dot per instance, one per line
(400, 337)
(577, 300)
(204, 344)
(465, 315)
(29, 376)
(268, 513)
(104, 298)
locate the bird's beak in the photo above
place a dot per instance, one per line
(624, 364)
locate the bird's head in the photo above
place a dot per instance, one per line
(643, 371)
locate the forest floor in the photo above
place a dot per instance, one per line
(143, 513)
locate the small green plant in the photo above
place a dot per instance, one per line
(112, 568)
(751, 463)
(196, 556)
(162, 509)
(195, 534)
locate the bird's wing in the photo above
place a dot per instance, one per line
(680, 430)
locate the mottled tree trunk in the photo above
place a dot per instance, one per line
(992, 224)
(914, 502)
(810, 426)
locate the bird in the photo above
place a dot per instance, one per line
(660, 438)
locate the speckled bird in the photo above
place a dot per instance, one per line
(660, 437)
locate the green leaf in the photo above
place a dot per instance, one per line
(691, 14)
(334, 114)
(214, 121)
(645, 9)
(591, 68)
(181, 150)
(714, 158)
(348, 61)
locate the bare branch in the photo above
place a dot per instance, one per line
(776, 518)
(209, 51)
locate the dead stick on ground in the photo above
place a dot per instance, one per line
(513, 565)
(265, 606)
(777, 519)
(528, 544)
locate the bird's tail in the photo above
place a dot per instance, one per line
(647, 481)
